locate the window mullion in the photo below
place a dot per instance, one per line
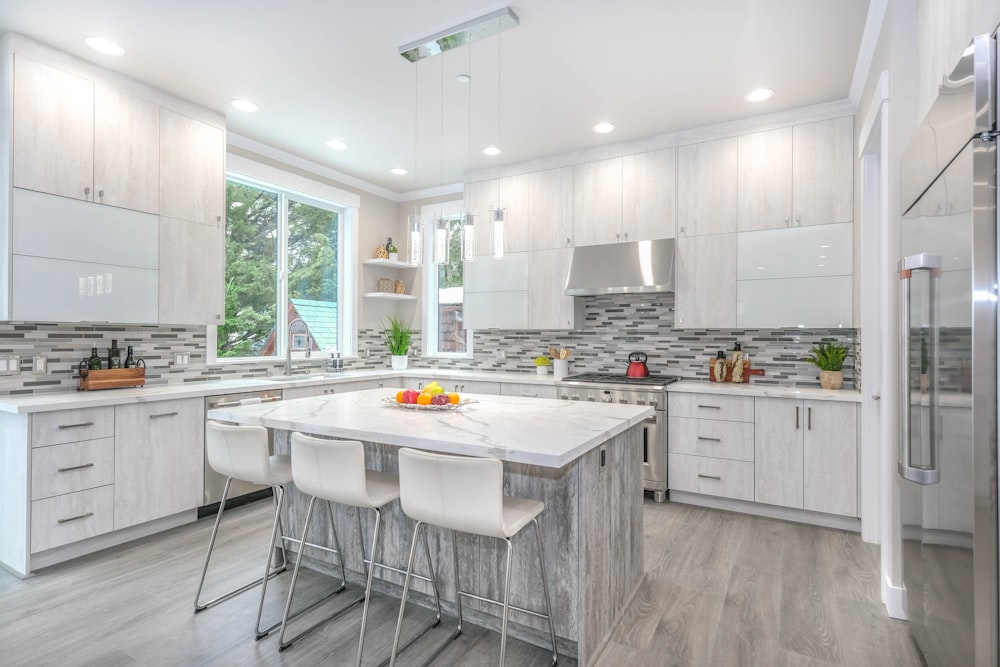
(282, 287)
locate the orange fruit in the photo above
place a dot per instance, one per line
(399, 396)
(424, 399)
(453, 397)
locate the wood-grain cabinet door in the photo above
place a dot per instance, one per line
(778, 427)
(706, 188)
(765, 179)
(649, 195)
(597, 202)
(706, 282)
(159, 459)
(823, 172)
(192, 169)
(126, 150)
(192, 272)
(830, 457)
(53, 133)
(551, 208)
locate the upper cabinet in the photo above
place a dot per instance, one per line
(512, 193)
(77, 138)
(706, 188)
(649, 195)
(550, 214)
(192, 169)
(597, 202)
(795, 176)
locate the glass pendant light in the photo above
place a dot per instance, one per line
(497, 211)
(441, 241)
(414, 239)
(468, 237)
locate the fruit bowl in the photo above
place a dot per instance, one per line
(417, 406)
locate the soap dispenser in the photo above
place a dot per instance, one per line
(737, 363)
(720, 366)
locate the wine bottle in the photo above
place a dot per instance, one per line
(129, 359)
(114, 355)
(94, 362)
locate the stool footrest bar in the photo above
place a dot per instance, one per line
(500, 604)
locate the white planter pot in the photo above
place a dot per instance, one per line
(399, 362)
(393, 257)
(542, 370)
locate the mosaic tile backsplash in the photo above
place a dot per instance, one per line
(615, 325)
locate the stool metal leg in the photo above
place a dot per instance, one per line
(371, 572)
(545, 589)
(506, 605)
(280, 491)
(201, 606)
(406, 591)
(286, 616)
(458, 588)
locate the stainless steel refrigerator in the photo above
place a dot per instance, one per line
(948, 317)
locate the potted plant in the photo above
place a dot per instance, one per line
(542, 365)
(829, 357)
(398, 337)
(393, 251)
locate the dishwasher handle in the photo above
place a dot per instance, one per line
(232, 404)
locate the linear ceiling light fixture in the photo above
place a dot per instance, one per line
(464, 33)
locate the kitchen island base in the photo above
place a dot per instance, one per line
(591, 533)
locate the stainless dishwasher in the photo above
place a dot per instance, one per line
(239, 492)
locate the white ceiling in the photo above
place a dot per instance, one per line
(321, 69)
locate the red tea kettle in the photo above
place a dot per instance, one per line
(637, 366)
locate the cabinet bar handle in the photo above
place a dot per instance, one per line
(809, 417)
(163, 414)
(79, 467)
(710, 407)
(709, 476)
(76, 518)
(702, 437)
(527, 395)
(796, 418)
(63, 426)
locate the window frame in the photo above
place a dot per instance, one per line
(347, 206)
(430, 213)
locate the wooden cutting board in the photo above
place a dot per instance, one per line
(747, 371)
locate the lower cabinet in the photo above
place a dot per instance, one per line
(527, 390)
(159, 459)
(806, 455)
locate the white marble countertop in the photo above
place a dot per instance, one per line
(536, 431)
(764, 390)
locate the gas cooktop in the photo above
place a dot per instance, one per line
(613, 378)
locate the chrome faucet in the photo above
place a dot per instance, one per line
(288, 345)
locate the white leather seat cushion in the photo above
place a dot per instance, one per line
(518, 513)
(383, 487)
(281, 469)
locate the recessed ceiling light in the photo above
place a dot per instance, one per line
(337, 145)
(244, 105)
(492, 151)
(463, 78)
(105, 46)
(604, 127)
(759, 95)
(399, 171)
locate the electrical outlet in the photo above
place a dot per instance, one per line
(182, 358)
(40, 364)
(501, 355)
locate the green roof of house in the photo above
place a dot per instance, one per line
(321, 318)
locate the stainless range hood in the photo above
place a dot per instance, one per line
(622, 268)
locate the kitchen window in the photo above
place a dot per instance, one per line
(286, 259)
(445, 332)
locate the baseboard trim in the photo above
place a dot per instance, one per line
(894, 599)
(770, 511)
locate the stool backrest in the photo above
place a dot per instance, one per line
(240, 452)
(458, 492)
(330, 469)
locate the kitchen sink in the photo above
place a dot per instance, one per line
(298, 378)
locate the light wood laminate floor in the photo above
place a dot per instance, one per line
(720, 589)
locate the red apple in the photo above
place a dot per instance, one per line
(410, 396)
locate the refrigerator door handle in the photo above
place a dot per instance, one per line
(929, 473)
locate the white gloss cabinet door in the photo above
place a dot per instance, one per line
(778, 460)
(126, 150)
(706, 188)
(597, 202)
(53, 131)
(830, 457)
(159, 459)
(649, 195)
(765, 179)
(706, 282)
(823, 172)
(192, 272)
(551, 208)
(192, 169)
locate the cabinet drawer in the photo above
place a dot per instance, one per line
(71, 517)
(710, 437)
(527, 390)
(54, 428)
(74, 466)
(711, 406)
(712, 477)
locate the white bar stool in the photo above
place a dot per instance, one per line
(241, 452)
(466, 494)
(334, 471)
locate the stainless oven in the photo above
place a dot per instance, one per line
(239, 492)
(651, 391)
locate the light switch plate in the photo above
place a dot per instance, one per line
(9, 365)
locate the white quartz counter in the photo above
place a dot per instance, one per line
(542, 432)
(763, 390)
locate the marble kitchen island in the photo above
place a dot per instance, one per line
(584, 460)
